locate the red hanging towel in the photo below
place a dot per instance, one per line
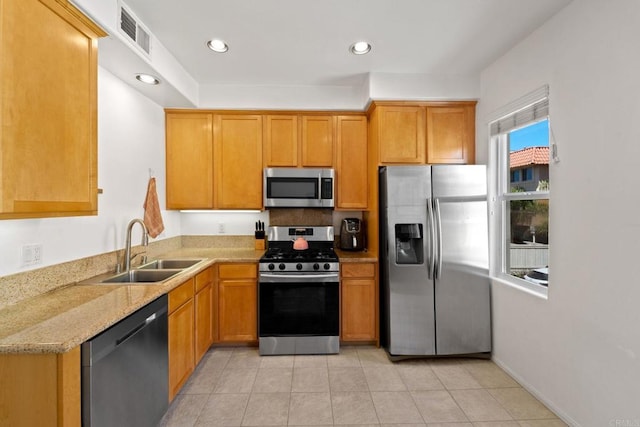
(152, 215)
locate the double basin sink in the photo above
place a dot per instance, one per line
(150, 273)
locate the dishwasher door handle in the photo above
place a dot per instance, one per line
(135, 330)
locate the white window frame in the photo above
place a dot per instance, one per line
(502, 196)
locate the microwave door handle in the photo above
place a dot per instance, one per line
(320, 187)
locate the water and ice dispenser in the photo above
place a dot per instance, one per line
(409, 244)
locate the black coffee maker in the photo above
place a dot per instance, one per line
(352, 235)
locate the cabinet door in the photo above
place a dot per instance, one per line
(401, 133)
(358, 309)
(189, 160)
(238, 161)
(203, 312)
(317, 141)
(351, 162)
(181, 346)
(451, 134)
(281, 141)
(203, 321)
(48, 137)
(359, 302)
(238, 319)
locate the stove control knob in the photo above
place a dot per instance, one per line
(299, 266)
(316, 266)
(281, 267)
(327, 266)
(271, 266)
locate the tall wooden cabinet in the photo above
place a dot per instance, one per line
(48, 110)
(351, 162)
(237, 154)
(189, 160)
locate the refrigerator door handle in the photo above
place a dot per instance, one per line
(438, 226)
(431, 258)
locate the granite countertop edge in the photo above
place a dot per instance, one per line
(62, 319)
(83, 310)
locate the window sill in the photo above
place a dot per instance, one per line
(522, 285)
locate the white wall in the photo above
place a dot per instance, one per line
(579, 349)
(130, 141)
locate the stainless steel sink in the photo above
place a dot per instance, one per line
(142, 276)
(162, 264)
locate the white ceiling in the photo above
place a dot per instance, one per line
(305, 42)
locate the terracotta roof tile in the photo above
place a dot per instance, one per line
(529, 156)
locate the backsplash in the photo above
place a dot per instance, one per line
(16, 287)
(301, 216)
(310, 217)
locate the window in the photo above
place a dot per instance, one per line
(521, 145)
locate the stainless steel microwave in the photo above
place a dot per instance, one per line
(298, 188)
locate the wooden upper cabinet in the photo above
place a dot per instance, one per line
(189, 160)
(237, 161)
(48, 137)
(280, 141)
(401, 134)
(317, 141)
(351, 162)
(451, 134)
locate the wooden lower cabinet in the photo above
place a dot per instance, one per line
(40, 389)
(237, 302)
(359, 302)
(181, 336)
(190, 327)
(203, 305)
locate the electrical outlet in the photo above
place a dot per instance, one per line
(31, 255)
(221, 228)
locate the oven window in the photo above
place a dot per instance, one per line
(298, 309)
(292, 188)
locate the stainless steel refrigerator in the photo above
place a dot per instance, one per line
(435, 292)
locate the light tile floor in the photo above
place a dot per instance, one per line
(359, 386)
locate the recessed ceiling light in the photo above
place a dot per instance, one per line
(148, 79)
(360, 48)
(217, 45)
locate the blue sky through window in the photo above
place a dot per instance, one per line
(536, 135)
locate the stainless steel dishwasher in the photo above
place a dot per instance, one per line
(125, 371)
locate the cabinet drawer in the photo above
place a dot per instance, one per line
(203, 279)
(180, 295)
(358, 270)
(237, 271)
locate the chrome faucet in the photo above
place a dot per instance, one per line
(127, 250)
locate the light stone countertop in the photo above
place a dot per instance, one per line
(59, 320)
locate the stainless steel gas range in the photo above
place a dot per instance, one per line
(299, 292)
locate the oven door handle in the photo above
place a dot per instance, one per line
(274, 277)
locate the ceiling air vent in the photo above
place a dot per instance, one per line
(131, 27)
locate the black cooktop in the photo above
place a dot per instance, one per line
(313, 254)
